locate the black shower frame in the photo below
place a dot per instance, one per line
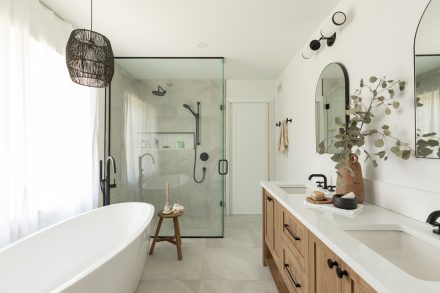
(107, 125)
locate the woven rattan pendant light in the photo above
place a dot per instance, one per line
(89, 57)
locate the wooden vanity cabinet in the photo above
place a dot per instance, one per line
(272, 241)
(268, 209)
(328, 273)
(298, 260)
(353, 283)
(293, 273)
(322, 277)
(296, 237)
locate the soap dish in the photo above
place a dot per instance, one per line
(344, 203)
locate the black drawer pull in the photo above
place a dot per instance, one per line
(286, 226)
(286, 267)
(331, 263)
(341, 273)
(269, 198)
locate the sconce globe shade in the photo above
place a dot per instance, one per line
(339, 18)
(307, 54)
(89, 58)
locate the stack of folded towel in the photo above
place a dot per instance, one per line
(177, 208)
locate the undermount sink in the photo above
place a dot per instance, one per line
(294, 189)
(416, 256)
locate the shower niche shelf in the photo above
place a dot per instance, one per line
(166, 141)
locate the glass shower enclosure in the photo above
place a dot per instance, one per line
(165, 124)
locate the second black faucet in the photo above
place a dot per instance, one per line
(320, 176)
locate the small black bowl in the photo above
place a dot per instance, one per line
(344, 203)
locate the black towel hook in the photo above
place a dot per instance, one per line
(278, 124)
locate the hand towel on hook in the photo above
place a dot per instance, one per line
(283, 144)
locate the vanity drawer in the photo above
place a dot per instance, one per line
(295, 278)
(296, 237)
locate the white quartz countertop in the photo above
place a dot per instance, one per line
(375, 269)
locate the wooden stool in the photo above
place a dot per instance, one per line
(176, 240)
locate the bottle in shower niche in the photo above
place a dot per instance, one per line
(180, 144)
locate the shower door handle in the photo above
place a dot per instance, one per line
(226, 167)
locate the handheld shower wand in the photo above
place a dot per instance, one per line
(197, 116)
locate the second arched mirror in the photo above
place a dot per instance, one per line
(427, 83)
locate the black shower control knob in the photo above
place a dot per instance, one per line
(204, 156)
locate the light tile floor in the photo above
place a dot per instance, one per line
(226, 265)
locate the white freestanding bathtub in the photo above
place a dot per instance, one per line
(103, 250)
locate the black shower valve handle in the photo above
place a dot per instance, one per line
(113, 185)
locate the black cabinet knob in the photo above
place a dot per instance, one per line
(269, 198)
(331, 263)
(341, 273)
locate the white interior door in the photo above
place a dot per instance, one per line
(249, 156)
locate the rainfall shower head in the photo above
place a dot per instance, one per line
(189, 108)
(160, 91)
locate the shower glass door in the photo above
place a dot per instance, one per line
(166, 125)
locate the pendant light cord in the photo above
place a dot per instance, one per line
(91, 15)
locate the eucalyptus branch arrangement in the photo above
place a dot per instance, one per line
(375, 95)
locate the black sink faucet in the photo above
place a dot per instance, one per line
(432, 219)
(322, 176)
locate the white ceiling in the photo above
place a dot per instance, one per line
(257, 37)
(172, 68)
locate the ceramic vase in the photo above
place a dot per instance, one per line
(354, 182)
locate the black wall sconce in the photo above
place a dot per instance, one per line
(338, 19)
(315, 45)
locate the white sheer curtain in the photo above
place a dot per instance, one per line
(48, 125)
(139, 120)
(428, 116)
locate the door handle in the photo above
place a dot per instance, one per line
(226, 167)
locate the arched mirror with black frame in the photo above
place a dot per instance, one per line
(331, 100)
(427, 83)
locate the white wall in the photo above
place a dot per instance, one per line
(253, 89)
(376, 40)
